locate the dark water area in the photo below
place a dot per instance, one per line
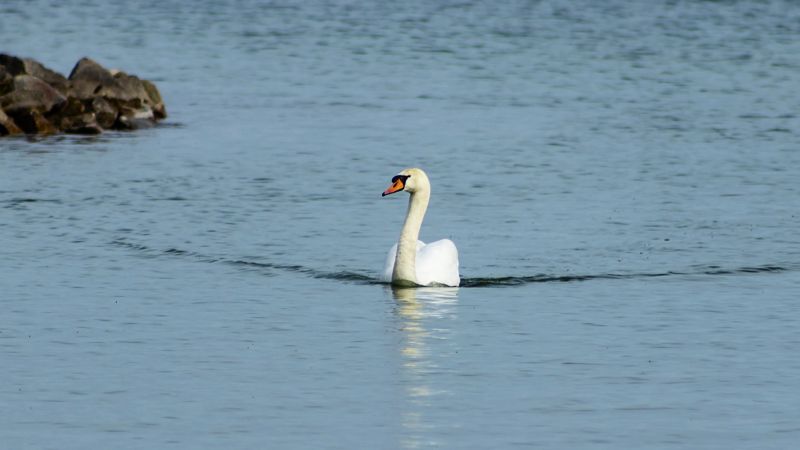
(621, 180)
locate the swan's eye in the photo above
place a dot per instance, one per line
(402, 178)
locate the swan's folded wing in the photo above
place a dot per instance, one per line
(437, 263)
(388, 267)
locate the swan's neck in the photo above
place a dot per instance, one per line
(405, 267)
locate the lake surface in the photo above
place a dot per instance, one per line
(621, 180)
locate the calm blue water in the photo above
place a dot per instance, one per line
(621, 181)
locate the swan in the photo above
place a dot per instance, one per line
(411, 261)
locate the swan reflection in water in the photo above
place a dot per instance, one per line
(425, 315)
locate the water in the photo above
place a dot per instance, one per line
(620, 179)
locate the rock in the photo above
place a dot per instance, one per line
(31, 94)
(88, 79)
(73, 107)
(35, 99)
(157, 103)
(54, 79)
(105, 113)
(34, 122)
(14, 65)
(133, 119)
(85, 123)
(28, 66)
(131, 88)
(6, 81)
(7, 125)
(133, 102)
(26, 99)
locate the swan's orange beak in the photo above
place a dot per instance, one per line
(397, 186)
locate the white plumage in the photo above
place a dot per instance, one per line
(416, 262)
(437, 263)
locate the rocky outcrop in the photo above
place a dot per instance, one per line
(37, 100)
(7, 125)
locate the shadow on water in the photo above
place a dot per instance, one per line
(415, 309)
(476, 282)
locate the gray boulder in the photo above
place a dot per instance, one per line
(137, 101)
(29, 93)
(29, 103)
(6, 81)
(34, 122)
(7, 125)
(105, 113)
(85, 123)
(89, 79)
(27, 66)
(35, 99)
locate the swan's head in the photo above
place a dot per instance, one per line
(409, 180)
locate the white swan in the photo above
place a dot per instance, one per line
(411, 261)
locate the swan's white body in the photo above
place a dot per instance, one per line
(411, 261)
(437, 263)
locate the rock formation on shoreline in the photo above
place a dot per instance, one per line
(37, 100)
